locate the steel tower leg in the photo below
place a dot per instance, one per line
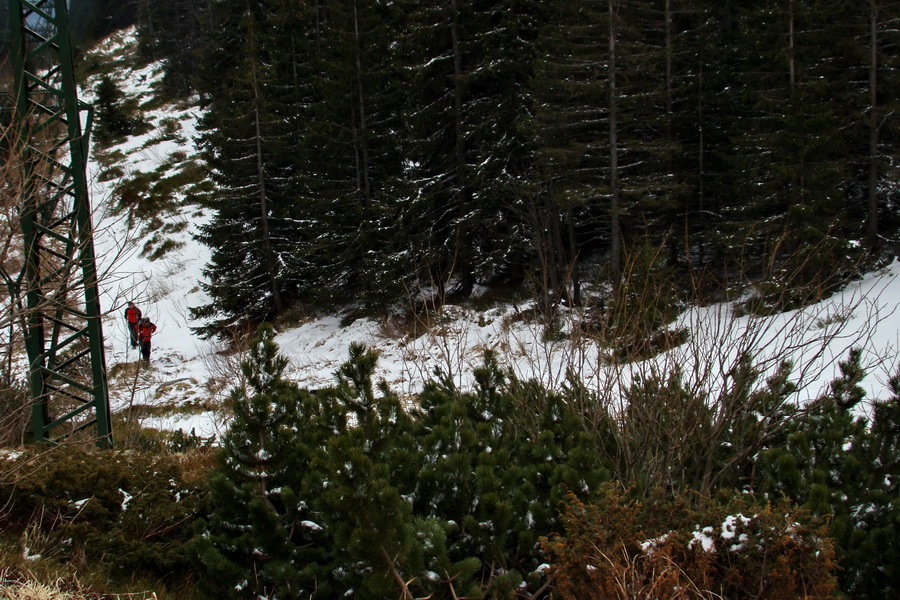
(63, 329)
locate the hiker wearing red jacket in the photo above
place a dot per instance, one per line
(145, 331)
(132, 318)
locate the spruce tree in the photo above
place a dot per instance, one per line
(92, 20)
(871, 39)
(434, 148)
(262, 540)
(353, 161)
(569, 133)
(790, 151)
(169, 31)
(604, 137)
(496, 46)
(294, 41)
(703, 59)
(112, 119)
(249, 232)
(467, 64)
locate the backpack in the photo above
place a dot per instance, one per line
(145, 330)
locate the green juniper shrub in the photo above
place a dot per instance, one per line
(128, 512)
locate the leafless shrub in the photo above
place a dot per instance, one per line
(680, 377)
(682, 385)
(14, 413)
(63, 283)
(222, 360)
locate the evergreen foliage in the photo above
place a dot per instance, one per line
(352, 189)
(498, 460)
(791, 174)
(385, 153)
(247, 274)
(113, 120)
(170, 32)
(92, 20)
(458, 494)
(569, 125)
(350, 488)
(261, 539)
(845, 466)
(123, 514)
(377, 152)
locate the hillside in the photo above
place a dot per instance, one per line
(652, 439)
(189, 376)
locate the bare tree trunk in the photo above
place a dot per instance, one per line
(457, 98)
(362, 148)
(701, 168)
(544, 226)
(615, 247)
(799, 181)
(573, 257)
(669, 85)
(872, 217)
(792, 72)
(670, 133)
(261, 178)
(462, 193)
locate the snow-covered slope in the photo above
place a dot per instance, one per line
(188, 375)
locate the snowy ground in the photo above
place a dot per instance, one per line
(188, 372)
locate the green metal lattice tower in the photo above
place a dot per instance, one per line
(63, 330)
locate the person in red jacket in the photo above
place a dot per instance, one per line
(132, 318)
(145, 331)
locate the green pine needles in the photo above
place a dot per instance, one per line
(350, 489)
(262, 539)
(353, 490)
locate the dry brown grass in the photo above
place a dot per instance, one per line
(18, 584)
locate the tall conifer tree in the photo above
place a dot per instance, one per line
(790, 153)
(170, 32)
(497, 53)
(248, 232)
(568, 125)
(353, 142)
(467, 64)
(435, 147)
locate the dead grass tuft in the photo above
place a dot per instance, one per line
(19, 584)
